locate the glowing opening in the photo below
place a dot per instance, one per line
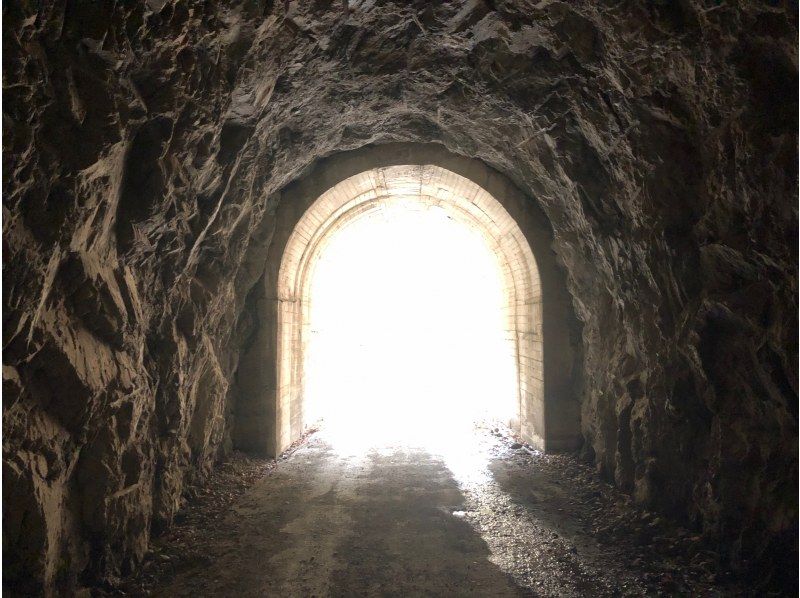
(309, 228)
(408, 342)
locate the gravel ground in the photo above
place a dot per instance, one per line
(496, 518)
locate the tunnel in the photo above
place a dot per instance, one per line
(271, 415)
(175, 173)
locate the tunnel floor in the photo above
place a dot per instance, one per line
(497, 519)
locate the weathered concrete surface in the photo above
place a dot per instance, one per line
(145, 145)
(485, 520)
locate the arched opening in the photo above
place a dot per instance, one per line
(376, 190)
(408, 338)
(270, 413)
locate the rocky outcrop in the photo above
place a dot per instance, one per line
(145, 144)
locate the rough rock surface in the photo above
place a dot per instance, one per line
(145, 144)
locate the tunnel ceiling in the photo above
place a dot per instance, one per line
(145, 147)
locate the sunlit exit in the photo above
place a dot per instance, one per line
(407, 341)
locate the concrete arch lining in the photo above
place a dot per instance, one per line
(270, 409)
(515, 262)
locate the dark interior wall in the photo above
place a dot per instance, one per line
(144, 145)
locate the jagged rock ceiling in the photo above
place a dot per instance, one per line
(145, 146)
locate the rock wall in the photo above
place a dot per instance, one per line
(146, 143)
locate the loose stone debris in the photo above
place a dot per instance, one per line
(509, 520)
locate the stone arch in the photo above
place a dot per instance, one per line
(269, 411)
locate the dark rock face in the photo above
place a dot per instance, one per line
(146, 144)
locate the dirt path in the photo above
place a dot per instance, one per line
(494, 520)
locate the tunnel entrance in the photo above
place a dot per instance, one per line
(409, 340)
(277, 398)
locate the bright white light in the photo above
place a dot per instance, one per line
(408, 341)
